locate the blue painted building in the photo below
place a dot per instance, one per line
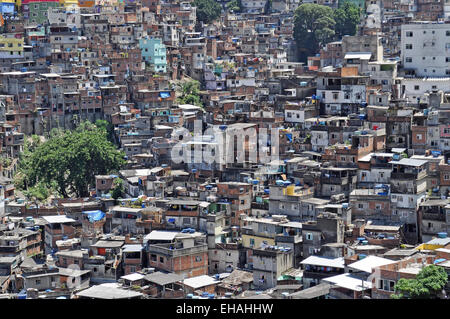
(154, 53)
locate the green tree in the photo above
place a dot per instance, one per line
(428, 284)
(108, 127)
(234, 5)
(118, 189)
(69, 160)
(189, 93)
(39, 192)
(207, 10)
(347, 18)
(313, 27)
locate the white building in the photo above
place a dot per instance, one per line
(413, 89)
(425, 48)
(253, 6)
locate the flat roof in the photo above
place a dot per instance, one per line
(132, 248)
(409, 162)
(348, 281)
(58, 219)
(69, 272)
(133, 277)
(312, 292)
(161, 235)
(324, 261)
(439, 241)
(162, 279)
(200, 281)
(108, 244)
(108, 291)
(126, 209)
(368, 263)
(358, 55)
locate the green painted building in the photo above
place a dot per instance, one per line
(36, 11)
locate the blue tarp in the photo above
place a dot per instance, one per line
(164, 95)
(94, 215)
(437, 261)
(289, 137)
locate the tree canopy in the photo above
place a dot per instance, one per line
(68, 161)
(207, 10)
(234, 5)
(118, 189)
(189, 93)
(347, 17)
(428, 284)
(315, 25)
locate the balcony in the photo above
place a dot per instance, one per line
(288, 238)
(334, 180)
(434, 216)
(408, 176)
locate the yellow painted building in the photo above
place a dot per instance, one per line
(18, 3)
(11, 44)
(252, 241)
(434, 244)
(68, 3)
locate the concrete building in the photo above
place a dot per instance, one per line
(425, 48)
(154, 53)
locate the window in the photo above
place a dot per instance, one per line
(408, 46)
(198, 258)
(153, 257)
(38, 282)
(408, 60)
(161, 259)
(309, 236)
(252, 242)
(409, 34)
(416, 87)
(387, 285)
